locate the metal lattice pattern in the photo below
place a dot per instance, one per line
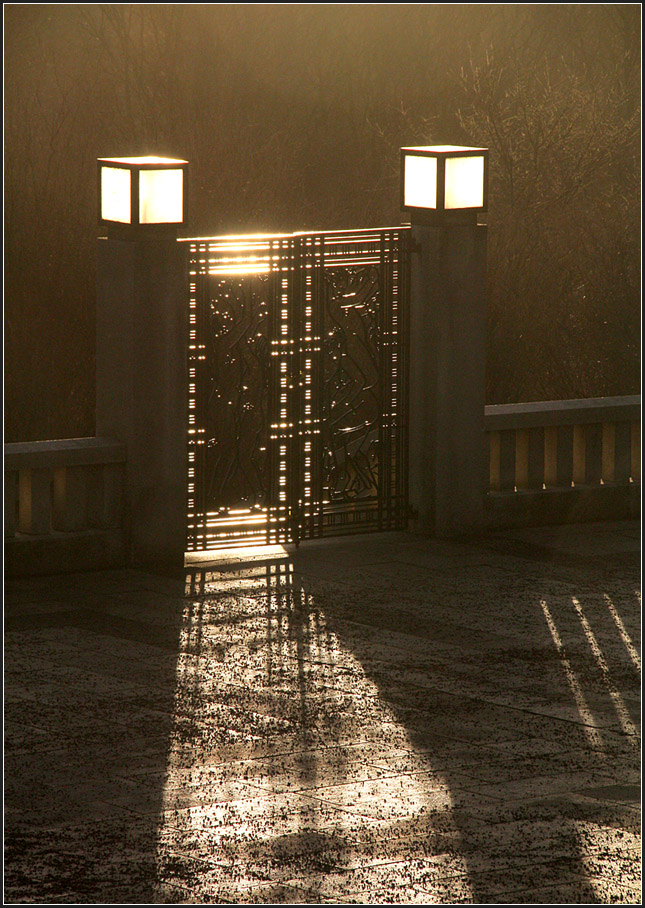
(297, 380)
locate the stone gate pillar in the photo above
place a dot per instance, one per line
(447, 455)
(141, 347)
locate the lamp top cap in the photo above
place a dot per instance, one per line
(148, 159)
(443, 149)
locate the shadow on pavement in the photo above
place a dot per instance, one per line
(90, 673)
(386, 719)
(516, 679)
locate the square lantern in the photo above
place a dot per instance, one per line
(138, 192)
(440, 182)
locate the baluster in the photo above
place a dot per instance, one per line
(608, 453)
(507, 460)
(536, 458)
(113, 487)
(35, 493)
(622, 452)
(70, 499)
(565, 456)
(579, 455)
(10, 502)
(551, 456)
(521, 459)
(593, 454)
(494, 453)
(95, 496)
(636, 451)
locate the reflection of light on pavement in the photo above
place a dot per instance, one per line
(593, 734)
(619, 704)
(321, 754)
(627, 640)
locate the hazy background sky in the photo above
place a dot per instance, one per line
(292, 117)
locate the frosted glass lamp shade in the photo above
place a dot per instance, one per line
(420, 188)
(444, 178)
(464, 186)
(142, 191)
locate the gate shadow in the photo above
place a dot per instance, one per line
(372, 720)
(456, 729)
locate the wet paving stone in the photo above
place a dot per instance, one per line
(392, 720)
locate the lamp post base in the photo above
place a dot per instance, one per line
(141, 389)
(447, 378)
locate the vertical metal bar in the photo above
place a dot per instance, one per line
(312, 379)
(193, 474)
(296, 415)
(394, 382)
(382, 321)
(201, 367)
(278, 393)
(318, 300)
(405, 252)
(392, 389)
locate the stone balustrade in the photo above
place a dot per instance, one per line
(64, 505)
(548, 462)
(562, 461)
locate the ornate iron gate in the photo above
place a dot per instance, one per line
(297, 386)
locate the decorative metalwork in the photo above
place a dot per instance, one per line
(297, 386)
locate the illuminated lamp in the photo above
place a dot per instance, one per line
(143, 191)
(444, 183)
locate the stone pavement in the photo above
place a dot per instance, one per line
(383, 719)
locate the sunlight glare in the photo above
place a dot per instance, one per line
(304, 696)
(619, 704)
(593, 734)
(627, 640)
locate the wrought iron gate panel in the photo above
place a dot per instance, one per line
(297, 386)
